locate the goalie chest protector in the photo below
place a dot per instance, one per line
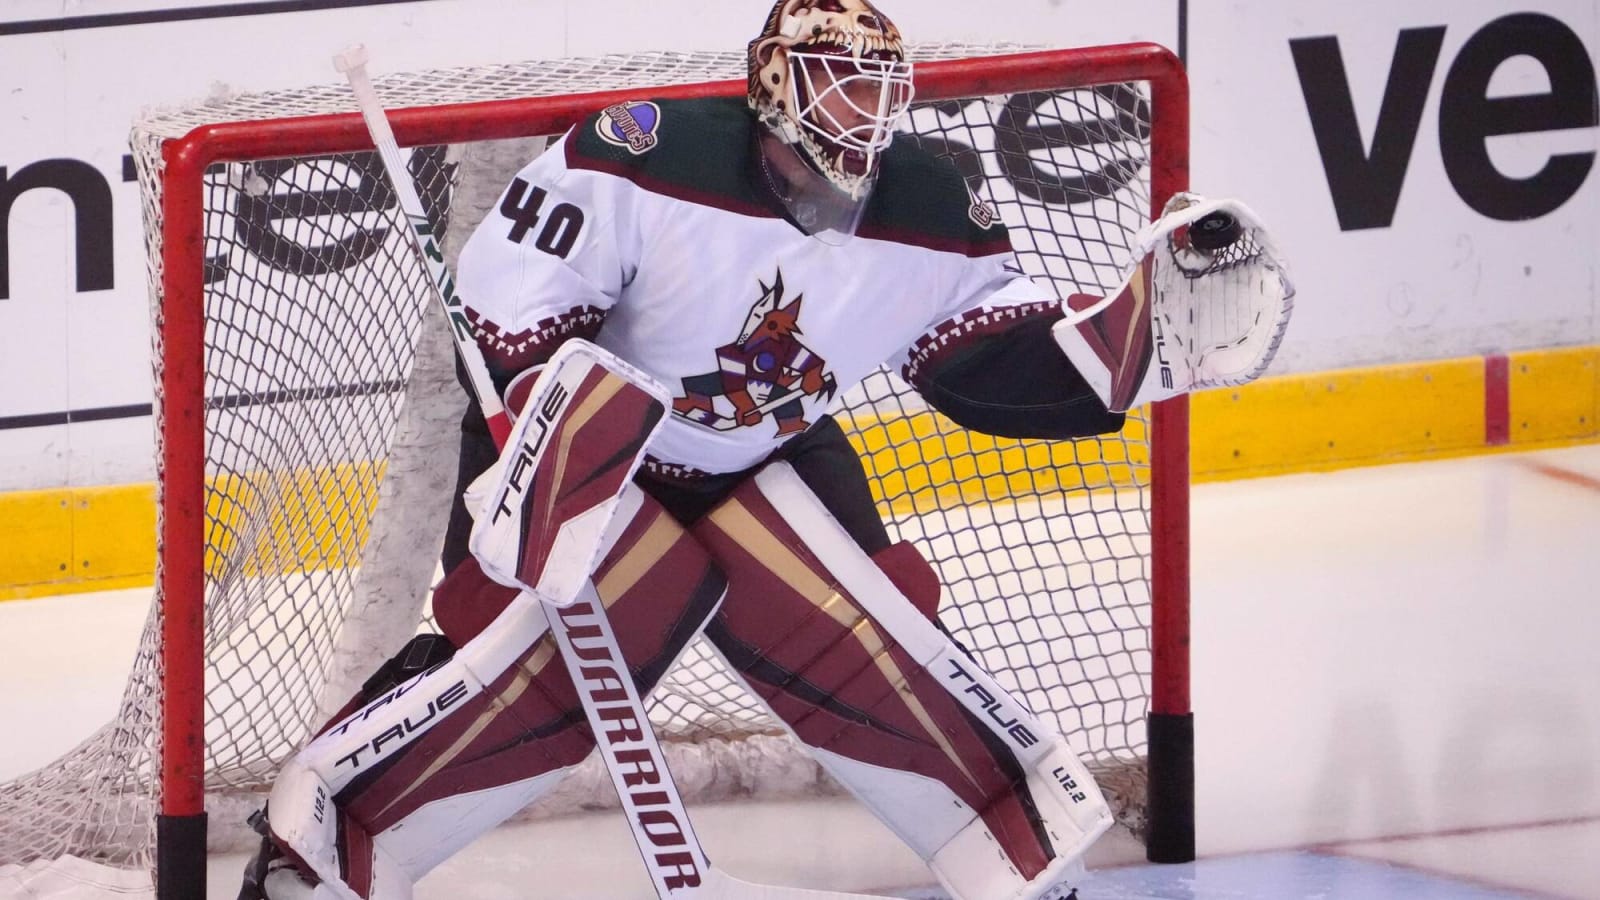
(657, 214)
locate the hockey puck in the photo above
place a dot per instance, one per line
(1214, 231)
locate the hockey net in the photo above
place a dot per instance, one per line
(306, 413)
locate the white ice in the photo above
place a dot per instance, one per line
(1396, 684)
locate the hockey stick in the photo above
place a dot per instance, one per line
(686, 872)
(352, 63)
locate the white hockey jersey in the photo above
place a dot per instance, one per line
(650, 222)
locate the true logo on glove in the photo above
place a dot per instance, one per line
(980, 212)
(1159, 331)
(528, 453)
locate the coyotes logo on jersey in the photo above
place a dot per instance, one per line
(767, 370)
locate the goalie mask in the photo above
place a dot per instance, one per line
(829, 80)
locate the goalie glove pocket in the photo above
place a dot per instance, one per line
(1184, 318)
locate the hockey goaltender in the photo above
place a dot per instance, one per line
(749, 260)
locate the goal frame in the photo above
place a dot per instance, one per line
(181, 409)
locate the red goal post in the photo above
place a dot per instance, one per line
(183, 530)
(188, 527)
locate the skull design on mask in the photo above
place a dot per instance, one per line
(830, 78)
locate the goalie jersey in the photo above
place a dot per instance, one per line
(650, 229)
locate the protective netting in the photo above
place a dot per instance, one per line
(329, 418)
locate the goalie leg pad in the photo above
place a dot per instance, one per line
(889, 704)
(419, 772)
(419, 655)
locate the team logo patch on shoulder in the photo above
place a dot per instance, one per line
(631, 124)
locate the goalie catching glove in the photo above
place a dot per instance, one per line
(1205, 304)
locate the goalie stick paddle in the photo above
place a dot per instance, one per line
(660, 825)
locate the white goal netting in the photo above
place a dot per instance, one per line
(329, 431)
